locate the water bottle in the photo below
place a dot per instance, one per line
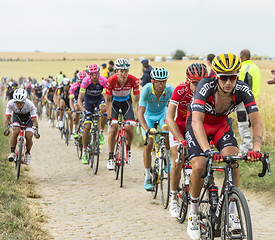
(188, 171)
(213, 197)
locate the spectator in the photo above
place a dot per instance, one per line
(111, 71)
(251, 75)
(105, 72)
(146, 69)
(209, 60)
(272, 80)
(59, 78)
(74, 78)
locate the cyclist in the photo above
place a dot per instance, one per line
(37, 93)
(24, 114)
(11, 87)
(91, 90)
(74, 92)
(118, 96)
(214, 99)
(176, 121)
(154, 98)
(29, 86)
(49, 97)
(63, 103)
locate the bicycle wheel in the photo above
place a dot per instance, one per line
(39, 110)
(116, 160)
(90, 149)
(66, 130)
(242, 213)
(155, 180)
(165, 178)
(205, 217)
(19, 157)
(123, 158)
(96, 152)
(53, 116)
(79, 147)
(183, 203)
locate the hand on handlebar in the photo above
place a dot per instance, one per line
(109, 120)
(87, 113)
(36, 134)
(217, 156)
(253, 156)
(151, 131)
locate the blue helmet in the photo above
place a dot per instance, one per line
(159, 74)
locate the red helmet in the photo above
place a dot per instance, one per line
(93, 68)
(80, 76)
(196, 72)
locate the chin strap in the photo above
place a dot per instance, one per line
(220, 87)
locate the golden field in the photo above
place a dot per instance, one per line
(45, 64)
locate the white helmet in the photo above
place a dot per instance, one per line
(20, 95)
(65, 81)
(122, 63)
(53, 84)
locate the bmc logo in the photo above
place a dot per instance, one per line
(206, 87)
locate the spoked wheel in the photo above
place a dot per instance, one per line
(66, 131)
(155, 181)
(79, 147)
(242, 228)
(165, 178)
(117, 162)
(90, 150)
(53, 115)
(19, 157)
(205, 220)
(183, 203)
(95, 152)
(39, 110)
(123, 159)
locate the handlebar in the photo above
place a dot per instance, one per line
(7, 131)
(232, 159)
(162, 133)
(181, 153)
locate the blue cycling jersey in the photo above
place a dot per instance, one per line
(149, 100)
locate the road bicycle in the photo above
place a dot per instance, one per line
(161, 166)
(215, 210)
(120, 154)
(78, 141)
(93, 146)
(39, 108)
(64, 131)
(20, 147)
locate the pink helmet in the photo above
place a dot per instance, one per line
(93, 68)
(80, 76)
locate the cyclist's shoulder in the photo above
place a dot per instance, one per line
(148, 88)
(169, 87)
(131, 78)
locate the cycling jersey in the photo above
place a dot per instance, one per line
(74, 90)
(121, 94)
(9, 93)
(50, 93)
(64, 95)
(38, 92)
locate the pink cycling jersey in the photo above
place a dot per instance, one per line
(87, 81)
(73, 88)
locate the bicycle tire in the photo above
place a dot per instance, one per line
(90, 149)
(165, 178)
(116, 160)
(19, 157)
(183, 204)
(155, 180)
(242, 213)
(67, 130)
(96, 150)
(123, 148)
(53, 115)
(39, 110)
(79, 147)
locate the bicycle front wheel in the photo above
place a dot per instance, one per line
(79, 147)
(53, 115)
(95, 153)
(19, 157)
(155, 181)
(182, 203)
(66, 130)
(243, 229)
(116, 160)
(165, 178)
(123, 159)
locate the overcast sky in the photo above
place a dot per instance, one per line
(139, 26)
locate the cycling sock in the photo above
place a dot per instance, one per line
(147, 173)
(232, 207)
(194, 205)
(173, 195)
(85, 149)
(111, 155)
(101, 131)
(28, 151)
(128, 148)
(12, 149)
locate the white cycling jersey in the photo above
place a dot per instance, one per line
(26, 109)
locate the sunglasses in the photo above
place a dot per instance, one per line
(225, 77)
(94, 74)
(159, 82)
(19, 103)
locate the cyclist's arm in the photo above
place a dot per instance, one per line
(141, 119)
(80, 101)
(71, 103)
(136, 97)
(7, 120)
(257, 130)
(58, 101)
(34, 121)
(109, 105)
(198, 128)
(173, 127)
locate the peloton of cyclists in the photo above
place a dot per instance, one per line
(11, 87)
(176, 121)
(23, 113)
(154, 98)
(214, 99)
(118, 96)
(90, 92)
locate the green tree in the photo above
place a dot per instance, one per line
(179, 54)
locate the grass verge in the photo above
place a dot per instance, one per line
(19, 218)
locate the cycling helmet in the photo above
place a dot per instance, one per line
(159, 74)
(10, 83)
(80, 76)
(20, 95)
(14, 84)
(65, 81)
(53, 84)
(226, 62)
(93, 68)
(122, 63)
(196, 72)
